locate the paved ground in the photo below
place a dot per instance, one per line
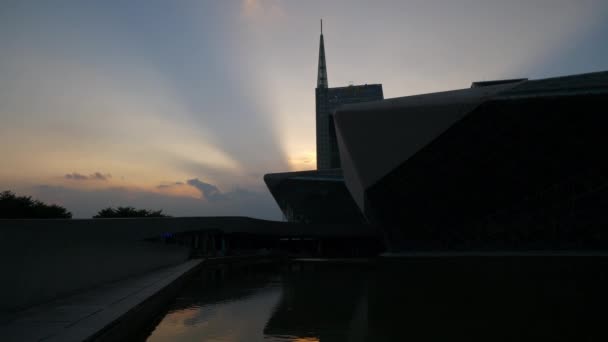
(78, 317)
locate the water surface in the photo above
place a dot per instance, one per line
(419, 299)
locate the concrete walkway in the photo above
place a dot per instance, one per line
(93, 314)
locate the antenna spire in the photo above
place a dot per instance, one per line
(322, 72)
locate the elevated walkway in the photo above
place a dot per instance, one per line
(107, 313)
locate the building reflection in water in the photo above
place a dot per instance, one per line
(434, 298)
(221, 306)
(328, 303)
(259, 305)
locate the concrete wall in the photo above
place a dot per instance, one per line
(44, 259)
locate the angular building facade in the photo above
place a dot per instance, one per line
(512, 165)
(316, 196)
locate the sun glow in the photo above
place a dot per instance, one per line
(302, 160)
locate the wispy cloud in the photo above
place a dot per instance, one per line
(76, 176)
(94, 176)
(167, 186)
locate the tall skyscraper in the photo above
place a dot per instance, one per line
(327, 100)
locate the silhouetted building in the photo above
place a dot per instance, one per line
(503, 165)
(510, 164)
(327, 100)
(320, 196)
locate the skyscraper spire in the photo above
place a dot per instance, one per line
(322, 73)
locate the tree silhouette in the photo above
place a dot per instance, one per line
(20, 207)
(121, 212)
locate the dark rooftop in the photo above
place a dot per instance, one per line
(496, 82)
(591, 83)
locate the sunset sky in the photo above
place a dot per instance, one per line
(184, 105)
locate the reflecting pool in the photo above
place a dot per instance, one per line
(429, 299)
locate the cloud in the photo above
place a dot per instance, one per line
(94, 176)
(167, 186)
(209, 191)
(76, 176)
(100, 176)
(85, 203)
